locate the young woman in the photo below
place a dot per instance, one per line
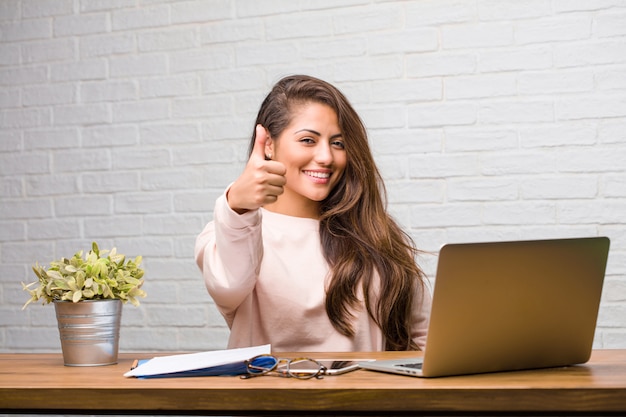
(301, 253)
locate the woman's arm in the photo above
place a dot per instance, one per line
(229, 252)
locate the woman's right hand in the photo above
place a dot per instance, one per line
(261, 182)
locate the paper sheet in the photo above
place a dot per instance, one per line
(190, 361)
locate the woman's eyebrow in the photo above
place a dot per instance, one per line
(338, 135)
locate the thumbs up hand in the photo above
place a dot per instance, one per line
(261, 182)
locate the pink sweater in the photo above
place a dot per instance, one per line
(266, 273)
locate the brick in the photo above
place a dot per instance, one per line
(25, 118)
(211, 152)
(437, 64)
(371, 69)
(10, 10)
(185, 85)
(201, 11)
(442, 165)
(82, 205)
(24, 163)
(52, 185)
(106, 45)
(12, 231)
(565, 187)
(586, 107)
(413, 90)
(140, 65)
(591, 159)
(451, 215)
(10, 54)
(246, 79)
(612, 131)
(35, 8)
(43, 95)
(592, 211)
(286, 27)
(113, 227)
(247, 8)
(251, 54)
(518, 162)
(111, 182)
(83, 24)
(442, 114)
(512, 9)
(167, 40)
(53, 50)
(534, 58)
(231, 31)
(201, 60)
(416, 192)
(145, 17)
(117, 135)
(10, 141)
(392, 167)
(50, 229)
(170, 226)
(81, 161)
(536, 83)
(139, 159)
(171, 180)
(477, 36)
(190, 108)
(420, 40)
(589, 53)
(10, 98)
(86, 114)
(11, 187)
(516, 112)
(107, 91)
(610, 23)
(433, 12)
(558, 135)
(482, 189)
(100, 5)
(334, 48)
(141, 111)
(164, 134)
(51, 139)
(611, 79)
(143, 203)
(84, 70)
(554, 29)
(26, 30)
(27, 253)
(519, 213)
(480, 86)
(23, 76)
(471, 138)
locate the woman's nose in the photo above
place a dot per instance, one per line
(323, 154)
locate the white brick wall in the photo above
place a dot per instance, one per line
(122, 121)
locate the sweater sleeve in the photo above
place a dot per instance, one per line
(229, 252)
(421, 316)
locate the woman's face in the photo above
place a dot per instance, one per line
(312, 150)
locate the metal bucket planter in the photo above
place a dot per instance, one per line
(89, 331)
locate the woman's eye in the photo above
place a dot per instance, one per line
(338, 144)
(307, 140)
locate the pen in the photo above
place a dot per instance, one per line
(134, 365)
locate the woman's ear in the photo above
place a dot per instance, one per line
(269, 147)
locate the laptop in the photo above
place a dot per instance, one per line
(506, 306)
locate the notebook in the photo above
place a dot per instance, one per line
(505, 306)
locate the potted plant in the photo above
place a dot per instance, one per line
(87, 293)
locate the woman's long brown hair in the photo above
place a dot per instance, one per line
(358, 236)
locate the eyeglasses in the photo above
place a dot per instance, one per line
(300, 368)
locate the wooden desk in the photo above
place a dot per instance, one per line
(37, 383)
